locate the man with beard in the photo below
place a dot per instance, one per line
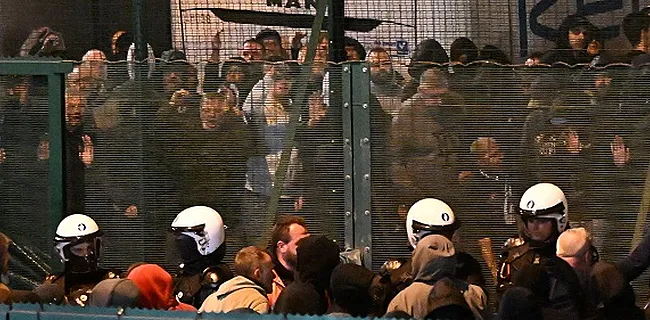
(385, 83)
(286, 233)
(208, 158)
(248, 289)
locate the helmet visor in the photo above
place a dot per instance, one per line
(187, 248)
(81, 255)
(548, 213)
(198, 230)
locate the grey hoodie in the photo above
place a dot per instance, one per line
(237, 293)
(434, 258)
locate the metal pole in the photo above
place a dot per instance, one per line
(94, 12)
(348, 152)
(643, 213)
(57, 190)
(511, 31)
(182, 21)
(138, 34)
(336, 33)
(300, 100)
(415, 23)
(361, 155)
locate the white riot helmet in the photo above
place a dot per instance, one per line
(200, 232)
(78, 243)
(429, 216)
(545, 201)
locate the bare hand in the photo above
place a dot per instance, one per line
(298, 204)
(43, 150)
(131, 211)
(464, 175)
(620, 153)
(573, 142)
(3, 155)
(87, 152)
(296, 41)
(178, 95)
(216, 40)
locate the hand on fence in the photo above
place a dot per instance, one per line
(573, 142)
(216, 46)
(131, 211)
(296, 41)
(178, 96)
(3, 155)
(43, 150)
(620, 153)
(216, 40)
(298, 204)
(87, 151)
(464, 176)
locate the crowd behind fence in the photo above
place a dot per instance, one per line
(145, 140)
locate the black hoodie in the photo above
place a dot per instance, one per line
(308, 294)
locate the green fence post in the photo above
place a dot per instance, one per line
(348, 160)
(55, 71)
(56, 105)
(301, 99)
(361, 160)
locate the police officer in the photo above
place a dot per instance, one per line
(544, 214)
(426, 217)
(200, 240)
(78, 243)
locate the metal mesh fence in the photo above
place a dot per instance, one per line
(478, 136)
(155, 137)
(160, 147)
(24, 150)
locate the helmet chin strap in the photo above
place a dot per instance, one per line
(81, 265)
(197, 266)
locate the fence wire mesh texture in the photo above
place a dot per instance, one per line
(205, 118)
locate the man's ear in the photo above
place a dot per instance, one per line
(257, 274)
(281, 246)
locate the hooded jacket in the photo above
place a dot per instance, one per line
(563, 51)
(434, 259)
(308, 294)
(156, 288)
(115, 293)
(237, 293)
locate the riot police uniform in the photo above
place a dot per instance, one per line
(200, 240)
(542, 201)
(78, 243)
(426, 217)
